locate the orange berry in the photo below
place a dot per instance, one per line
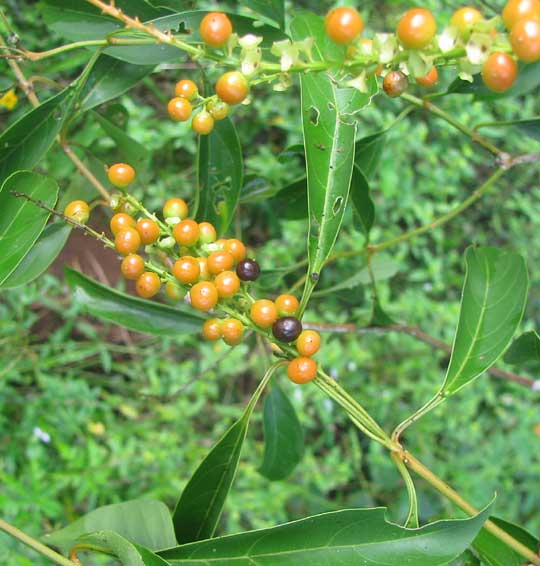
(204, 296)
(132, 266)
(525, 40)
(301, 370)
(207, 233)
(202, 123)
(186, 232)
(127, 241)
(227, 283)
(236, 248)
(121, 175)
(516, 10)
(287, 305)
(121, 221)
(416, 28)
(186, 270)
(343, 25)
(218, 109)
(395, 83)
(465, 18)
(148, 284)
(174, 291)
(148, 230)
(179, 109)
(232, 87)
(220, 261)
(499, 72)
(175, 208)
(186, 89)
(308, 343)
(264, 313)
(232, 330)
(78, 210)
(215, 29)
(203, 267)
(430, 79)
(212, 329)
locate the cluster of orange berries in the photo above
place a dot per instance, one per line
(417, 28)
(231, 88)
(208, 270)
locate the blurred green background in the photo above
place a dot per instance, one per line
(92, 414)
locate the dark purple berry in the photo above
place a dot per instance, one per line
(287, 329)
(248, 270)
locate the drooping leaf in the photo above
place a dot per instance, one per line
(379, 317)
(26, 141)
(524, 350)
(494, 552)
(347, 538)
(45, 250)
(128, 553)
(220, 172)
(137, 314)
(362, 201)
(368, 152)
(272, 9)
(329, 129)
(283, 436)
(492, 304)
(108, 79)
(200, 506)
(22, 221)
(143, 521)
(291, 202)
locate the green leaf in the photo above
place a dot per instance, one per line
(530, 127)
(131, 150)
(22, 221)
(283, 436)
(368, 152)
(272, 9)
(200, 506)
(362, 201)
(108, 79)
(525, 349)
(220, 172)
(492, 304)
(137, 314)
(291, 202)
(129, 554)
(379, 316)
(494, 552)
(466, 559)
(329, 129)
(348, 538)
(142, 521)
(45, 250)
(26, 141)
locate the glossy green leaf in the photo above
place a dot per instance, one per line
(220, 172)
(148, 317)
(22, 221)
(283, 436)
(524, 350)
(131, 150)
(108, 79)
(142, 521)
(368, 152)
(362, 201)
(348, 538)
(128, 553)
(26, 141)
(45, 250)
(494, 552)
(200, 506)
(272, 9)
(492, 304)
(329, 127)
(291, 202)
(466, 559)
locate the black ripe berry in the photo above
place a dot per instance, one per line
(287, 329)
(248, 270)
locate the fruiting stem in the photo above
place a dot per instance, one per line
(35, 545)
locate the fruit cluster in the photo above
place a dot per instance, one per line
(187, 259)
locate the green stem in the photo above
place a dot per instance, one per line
(430, 107)
(35, 545)
(430, 405)
(412, 518)
(476, 195)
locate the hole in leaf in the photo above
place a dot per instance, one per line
(314, 114)
(338, 203)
